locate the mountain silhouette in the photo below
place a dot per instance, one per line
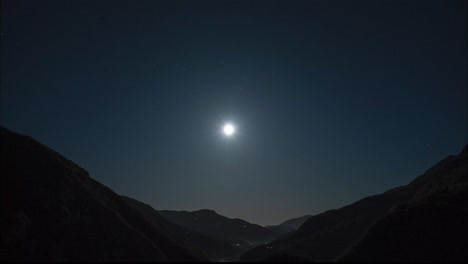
(289, 225)
(431, 227)
(215, 249)
(424, 220)
(236, 231)
(53, 211)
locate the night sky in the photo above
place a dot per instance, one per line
(332, 100)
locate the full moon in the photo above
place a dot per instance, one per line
(229, 129)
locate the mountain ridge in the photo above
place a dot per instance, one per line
(197, 243)
(54, 211)
(234, 230)
(330, 235)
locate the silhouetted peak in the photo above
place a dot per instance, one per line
(206, 211)
(442, 172)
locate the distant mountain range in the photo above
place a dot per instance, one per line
(196, 242)
(236, 231)
(422, 221)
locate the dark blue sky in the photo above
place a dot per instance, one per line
(333, 100)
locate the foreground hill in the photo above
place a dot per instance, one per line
(424, 220)
(431, 227)
(53, 211)
(215, 249)
(236, 231)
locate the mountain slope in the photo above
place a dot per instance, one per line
(236, 231)
(332, 234)
(215, 249)
(289, 225)
(424, 231)
(431, 227)
(53, 211)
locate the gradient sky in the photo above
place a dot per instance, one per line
(333, 100)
